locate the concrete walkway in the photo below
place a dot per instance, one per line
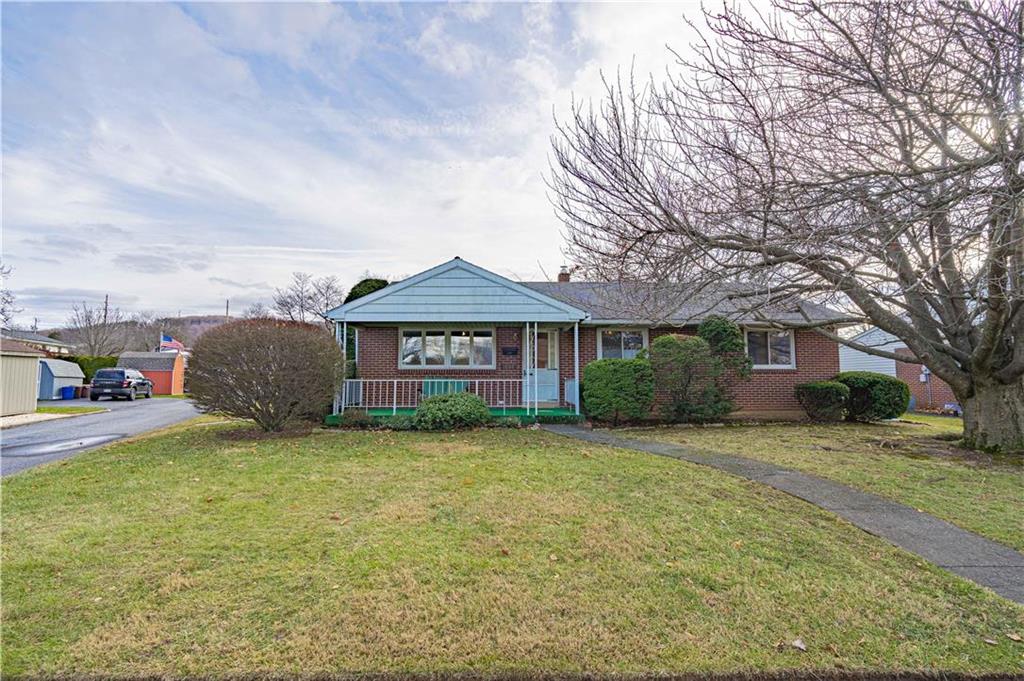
(969, 555)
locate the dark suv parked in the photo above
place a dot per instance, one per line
(119, 382)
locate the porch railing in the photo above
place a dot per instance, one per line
(405, 393)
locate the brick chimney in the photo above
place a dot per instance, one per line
(563, 274)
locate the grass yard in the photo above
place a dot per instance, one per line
(197, 553)
(68, 410)
(914, 463)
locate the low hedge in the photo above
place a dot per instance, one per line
(823, 400)
(874, 396)
(396, 422)
(355, 418)
(617, 389)
(561, 418)
(91, 364)
(448, 412)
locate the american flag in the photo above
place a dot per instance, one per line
(168, 343)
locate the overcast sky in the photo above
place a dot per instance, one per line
(175, 156)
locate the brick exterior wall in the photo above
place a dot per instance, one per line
(909, 372)
(768, 390)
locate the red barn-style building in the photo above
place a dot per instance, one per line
(165, 369)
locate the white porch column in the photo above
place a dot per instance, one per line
(576, 362)
(536, 384)
(337, 401)
(344, 365)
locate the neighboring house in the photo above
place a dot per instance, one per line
(19, 376)
(927, 391)
(165, 369)
(458, 326)
(50, 346)
(55, 374)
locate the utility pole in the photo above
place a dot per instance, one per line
(227, 309)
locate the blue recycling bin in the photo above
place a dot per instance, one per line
(67, 392)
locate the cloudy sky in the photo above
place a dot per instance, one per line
(175, 156)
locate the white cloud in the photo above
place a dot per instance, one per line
(444, 52)
(182, 141)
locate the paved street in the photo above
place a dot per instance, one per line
(31, 445)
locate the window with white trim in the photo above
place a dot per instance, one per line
(446, 348)
(770, 349)
(620, 343)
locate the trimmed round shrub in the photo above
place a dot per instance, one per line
(823, 400)
(451, 411)
(874, 396)
(270, 371)
(616, 389)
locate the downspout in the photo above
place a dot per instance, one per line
(576, 362)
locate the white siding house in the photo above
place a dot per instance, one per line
(855, 360)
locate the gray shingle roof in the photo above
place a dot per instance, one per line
(640, 303)
(32, 337)
(147, 361)
(18, 348)
(62, 368)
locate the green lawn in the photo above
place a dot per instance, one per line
(68, 410)
(916, 463)
(195, 553)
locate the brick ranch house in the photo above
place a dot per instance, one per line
(522, 346)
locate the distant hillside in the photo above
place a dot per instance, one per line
(194, 326)
(145, 336)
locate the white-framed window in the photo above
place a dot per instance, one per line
(620, 343)
(770, 348)
(446, 348)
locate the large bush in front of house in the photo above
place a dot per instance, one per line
(687, 375)
(618, 389)
(691, 373)
(91, 364)
(451, 411)
(823, 400)
(874, 396)
(723, 335)
(270, 371)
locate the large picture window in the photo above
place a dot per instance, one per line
(434, 348)
(771, 349)
(620, 343)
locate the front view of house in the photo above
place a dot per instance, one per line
(522, 346)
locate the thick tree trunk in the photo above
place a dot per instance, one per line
(994, 416)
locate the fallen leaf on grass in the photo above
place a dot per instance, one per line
(1015, 637)
(552, 557)
(335, 516)
(989, 641)
(799, 645)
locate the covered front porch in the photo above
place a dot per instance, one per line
(458, 328)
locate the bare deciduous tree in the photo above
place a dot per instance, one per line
(867, 155)
(257, 310)
(8, 308)
(142, 331)
(307, 299)
(96, 330)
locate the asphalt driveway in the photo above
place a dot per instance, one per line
(38, 443)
